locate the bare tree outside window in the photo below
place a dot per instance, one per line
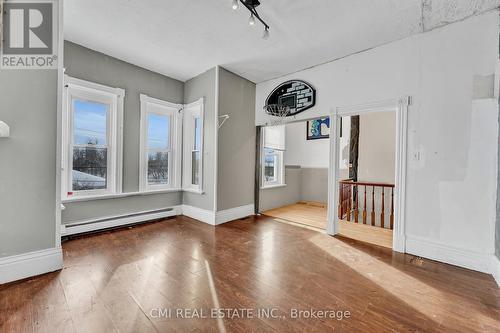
(90, 167)
(90, 149)
(158, 168)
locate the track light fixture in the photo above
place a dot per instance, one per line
(252, 5)
(266, 33)
(251, 20)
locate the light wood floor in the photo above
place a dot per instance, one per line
(114, 281)
(366, 233)
(315, 215)
(307, 213)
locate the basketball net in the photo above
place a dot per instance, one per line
(278, 112)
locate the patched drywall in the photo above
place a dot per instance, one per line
(453, 138)
(483, 86)
(302, 33)
(437, 13)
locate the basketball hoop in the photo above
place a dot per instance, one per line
(278, 111)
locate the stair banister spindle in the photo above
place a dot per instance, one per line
(349, 202)
(373, 206)
(382, 211)
(364, 207)
(356, 211)
(392, 209)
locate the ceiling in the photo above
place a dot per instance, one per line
(184, 38)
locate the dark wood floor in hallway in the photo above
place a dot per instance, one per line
(117, 281)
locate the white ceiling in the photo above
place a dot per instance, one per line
(184, 38)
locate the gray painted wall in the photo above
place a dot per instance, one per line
(28, 103)
(314, 185)
(119, 206)
(270, 198)
(203, 85)
(302, 184)
(236, 146)
(497, 224)
(86, 64)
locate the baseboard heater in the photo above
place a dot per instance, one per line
(111, 222)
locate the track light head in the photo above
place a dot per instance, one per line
(251, 5)
(266, 33)
(251, 20)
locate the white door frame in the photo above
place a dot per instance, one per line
(400, 107)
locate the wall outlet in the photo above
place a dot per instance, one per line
(415, 156)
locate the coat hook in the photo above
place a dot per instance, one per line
(224, 118)
(4, 130)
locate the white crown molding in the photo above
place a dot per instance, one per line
(448, 254)
(34, 263)
(232, 214)
(203, 215)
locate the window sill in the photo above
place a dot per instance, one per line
(272, 186)
(118, 195)
(193, 191)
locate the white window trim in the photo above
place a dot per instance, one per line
(174, 161)
(115, 135)
(191, 111)
(280, 181)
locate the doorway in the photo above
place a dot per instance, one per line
(294, 161)
(347, 212)
(367, 172)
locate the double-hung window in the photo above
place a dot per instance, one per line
(273, 148)
(193, 146)
(160, 161)
(92, 139)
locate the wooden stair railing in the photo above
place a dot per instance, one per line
(349, 192)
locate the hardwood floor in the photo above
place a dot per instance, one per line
(309, 214)
(315, 215)
(366, 233)
(114, 281)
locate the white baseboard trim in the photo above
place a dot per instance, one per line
(399, 243)
(228, 215)
(115, 221)
(34, 263)
(199, 214)
(451, 255)
(495, 269)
